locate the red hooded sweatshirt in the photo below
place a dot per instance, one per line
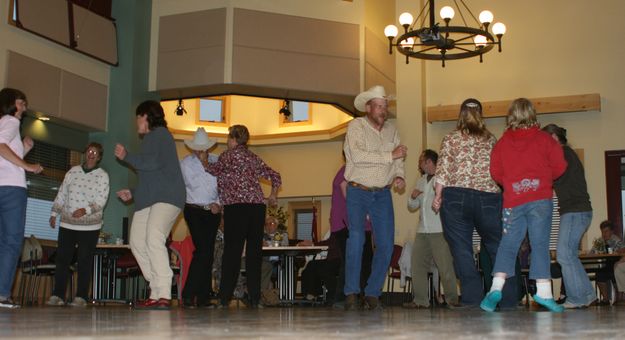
(526, 162)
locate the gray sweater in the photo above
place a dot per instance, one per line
(158, 170)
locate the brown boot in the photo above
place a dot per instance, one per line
(351, 302)
(372, 303)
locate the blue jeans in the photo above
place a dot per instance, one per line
(573, 225)
(533, 219)
(462, 211)
(12, 220)
(379, 206)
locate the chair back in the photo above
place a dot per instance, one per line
(31, 250)
(397, 249)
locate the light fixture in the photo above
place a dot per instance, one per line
(285, 109)
(446, 42)
(180, 108)
(43, 118)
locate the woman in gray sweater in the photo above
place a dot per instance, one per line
(159, 197)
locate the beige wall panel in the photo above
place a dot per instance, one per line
(296, 34)
(39, 81)
(194, 67)
(374, 77)
(95, 35)
(376, 55)
(48, 18)
(293, 70)
(83, 101)
(192, 30)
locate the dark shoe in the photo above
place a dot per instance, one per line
(152, 304)
(413, 305)
(351, 302)
(372, 303)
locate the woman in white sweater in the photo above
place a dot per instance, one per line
(80, 203)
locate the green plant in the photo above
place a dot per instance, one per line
(279, 214)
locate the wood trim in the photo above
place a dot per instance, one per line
(543, 105)
(613, 188)
(225, 110)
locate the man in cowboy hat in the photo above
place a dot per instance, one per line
(374, 163)
(202, 212)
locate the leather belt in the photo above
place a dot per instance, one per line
(366, 188)
(197, 206)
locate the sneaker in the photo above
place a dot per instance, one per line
(78, 302)
(490, 301)
(55, 301)
(372, 303)
(153, 304)
(549, 304)
(8, 303)
(351, 302)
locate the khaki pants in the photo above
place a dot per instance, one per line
(426, 247)
(148, 233)
(619, 275)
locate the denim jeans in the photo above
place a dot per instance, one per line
(462, 211)
(379, 206)
(533, 219)
(573, 225)
(12, 220)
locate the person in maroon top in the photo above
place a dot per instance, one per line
(238, 171)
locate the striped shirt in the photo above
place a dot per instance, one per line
(369, 154)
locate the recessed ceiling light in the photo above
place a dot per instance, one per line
(44, 118)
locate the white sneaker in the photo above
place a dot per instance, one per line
(55, 301)
(8, 303)
(78, 302)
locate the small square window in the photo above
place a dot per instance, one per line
(301, 113)
(212, 111)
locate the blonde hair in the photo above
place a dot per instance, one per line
(521, 114)
(470, 120)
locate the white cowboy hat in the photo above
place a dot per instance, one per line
(375, 92)
(200, 141)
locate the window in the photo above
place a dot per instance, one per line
(213, 111)
(302, 220)
(301, 113)
(42, 188)
(303, 224)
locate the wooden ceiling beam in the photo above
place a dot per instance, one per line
(544, 105)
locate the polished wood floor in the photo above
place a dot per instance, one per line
(121, 322)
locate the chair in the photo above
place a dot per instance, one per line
(34, 269)
(395, 274)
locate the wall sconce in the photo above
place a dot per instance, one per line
(285, 109)
(180, 108)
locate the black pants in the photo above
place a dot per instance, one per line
(203, 228)
(68, 239)
(320, 272)
(242, 222)
(365, 269)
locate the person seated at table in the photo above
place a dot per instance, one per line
(272, 237)
(80, 203)
(322, 270)
(608, 242)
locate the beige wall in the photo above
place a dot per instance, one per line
(568, 47)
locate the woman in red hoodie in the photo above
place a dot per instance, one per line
(525, 162)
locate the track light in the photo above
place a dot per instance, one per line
(180, 108)
(285, 109)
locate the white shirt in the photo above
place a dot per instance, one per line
(429, 221)
(11, 174)
(201, 186)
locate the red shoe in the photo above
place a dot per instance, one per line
(162, 304)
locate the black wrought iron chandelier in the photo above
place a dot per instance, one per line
(435, 42)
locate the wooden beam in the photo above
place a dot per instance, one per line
(544, 105)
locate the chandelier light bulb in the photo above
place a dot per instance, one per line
(480, 41)
(391, 31)
(447, 13)
(499, 28)
(408, 43)
(486, 17)
(405, 19)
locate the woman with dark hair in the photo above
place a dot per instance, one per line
(468, 199)
(159, 197)
(80, 204)
(12, 187)
(575, 218)
(238, 171)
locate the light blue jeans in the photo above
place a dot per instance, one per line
(573, 225)
(533, 218)
(379, 206)
(12, 219)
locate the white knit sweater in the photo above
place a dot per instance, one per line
(82, 190)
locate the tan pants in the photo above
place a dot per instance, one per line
(619, 275)
(148, 233)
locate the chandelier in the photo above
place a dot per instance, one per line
(444, 42)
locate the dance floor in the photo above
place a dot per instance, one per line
(320, 323)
